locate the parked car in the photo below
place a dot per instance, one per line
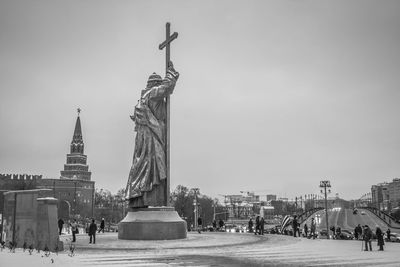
(346, 235)
(232, 228)
(322, 234)
(394, 237)
(362, 212)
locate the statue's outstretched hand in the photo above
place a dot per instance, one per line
(172, 69)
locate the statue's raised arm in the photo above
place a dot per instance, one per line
(167, 85)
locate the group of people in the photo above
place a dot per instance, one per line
(367, 236)
(360, 233)
(296, 228)
(91, 229)
(219, 226)
(259, 225)
(336, 232)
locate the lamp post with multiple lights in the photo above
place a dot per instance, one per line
(326, 184)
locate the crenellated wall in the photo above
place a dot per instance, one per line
(17, 182)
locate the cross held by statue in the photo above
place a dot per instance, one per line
(168, 39)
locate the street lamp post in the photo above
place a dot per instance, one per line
(214, 211)
(195, 204)
(324, 185)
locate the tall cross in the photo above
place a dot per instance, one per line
(168, 39)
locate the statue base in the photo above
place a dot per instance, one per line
(152, 223)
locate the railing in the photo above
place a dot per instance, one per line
(386, 218)
(305, 215)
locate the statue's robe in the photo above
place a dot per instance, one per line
(147, 177)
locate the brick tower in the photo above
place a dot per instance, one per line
(76, 167)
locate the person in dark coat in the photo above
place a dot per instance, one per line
(379, 236)
(92, 232)
(60, 225)
(262, 226)
(102, 225)
(305, 230)
(333, 229)
(250, 225)
(338, 232)
(257, 225)
(367, 236)
(214, 225)
(221, 224)
(295, 225)
(74, 229)
(199, 224)
(356, 233)
(313, 227)
(388, 234)
(359, 231)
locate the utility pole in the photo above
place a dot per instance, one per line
(324, 185)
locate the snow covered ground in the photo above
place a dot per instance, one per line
(210, 249)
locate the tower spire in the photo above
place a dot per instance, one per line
(77, 140)
(76, 166)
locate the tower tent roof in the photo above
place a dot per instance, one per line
(77, 138)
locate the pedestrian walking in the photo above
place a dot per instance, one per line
(295, 225)
(60, 225)
(250, 225)
(305, 230)
(214, 225)
(102, 225)
(92, 232)
(367, 236)
(262, 226)
(199, 224)
(313, 226)
(74, 229)
(388, 234)
(379, 236)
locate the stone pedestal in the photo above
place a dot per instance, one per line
(31, 220)
(153, 223)
(47, 227)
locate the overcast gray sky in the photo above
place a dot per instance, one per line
(273, 97)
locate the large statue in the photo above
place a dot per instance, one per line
(149, 216)
(147, 183)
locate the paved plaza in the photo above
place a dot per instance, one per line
(212, 249)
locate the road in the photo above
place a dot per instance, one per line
(347, 220)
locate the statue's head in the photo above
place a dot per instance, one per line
(154, 80)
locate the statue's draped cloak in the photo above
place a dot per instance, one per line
(147, 177)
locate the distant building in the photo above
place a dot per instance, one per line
(386, 196)
(380, 196)
(242, 206)
(271, 197)
(74, 189)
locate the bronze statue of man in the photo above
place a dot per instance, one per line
(148, 175)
